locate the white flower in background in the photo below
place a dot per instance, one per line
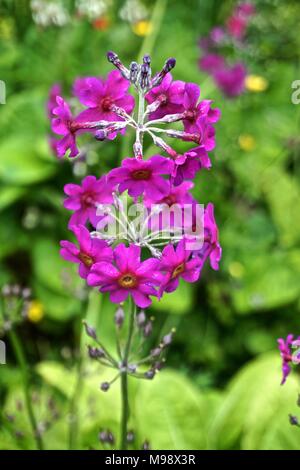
(133, 11)
(46, 13)
(92, 9)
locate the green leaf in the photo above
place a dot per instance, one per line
(172, 413)
(9, 195)
(20, 162)
(253, 402)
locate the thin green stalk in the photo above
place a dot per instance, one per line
(156, 20)
(92, 308)
(20, 356)
(124, 379)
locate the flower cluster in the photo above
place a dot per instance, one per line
(290, 354)
(117, 261)
(229, 78)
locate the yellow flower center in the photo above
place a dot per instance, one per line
(141, 174)
(178, 270)
(128, 281)
(86, 259)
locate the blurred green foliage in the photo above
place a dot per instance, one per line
(228, 321)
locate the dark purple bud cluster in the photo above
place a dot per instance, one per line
(140, 74)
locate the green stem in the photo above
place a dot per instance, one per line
(91, 308)
(20, 356)
(124, 379)
(156, 20)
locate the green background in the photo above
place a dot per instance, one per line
(220, 389)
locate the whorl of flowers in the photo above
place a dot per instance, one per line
(228, 77)
(117, 261)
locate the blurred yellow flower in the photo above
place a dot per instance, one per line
(35, 311)
(256, 83)
(247, 142)
(236, 269)
(142, 28)
(6, 29)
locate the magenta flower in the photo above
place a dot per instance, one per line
(170, 95)
(64, 124)
(286, 355)
(54, 92)
(246, 9)
(90, 250)
(100, 95)
(188, 164)
(180, 201)
(231, 80)
(210, 63)
(142, 176)
(217, 35)
(178, 263)
(177, 195)
(127, 275)
(237, 26)
(83, 199)
(211, 247)
(195, 110)
(207, 134)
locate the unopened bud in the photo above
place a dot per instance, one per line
(170, 64)
(134, 69)
(104, 386)
(106, 436)
(148, 329)
(293, 420)
(146, 445)
(95, 353)
(167, 339)
(112, 56)
(119, 316)
(141, 319)
(149, 374)
(130, 436)
(156, 352)
(90, 331)
(132, 368)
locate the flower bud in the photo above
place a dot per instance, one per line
(141, 319)
(293, 420)
(90, 331)
(149, 374)
(156, 352)
(130, 436)
(95, 353)
(134, 68)
(131, 368)
(112, 56)
(148, 329)
(146, 445)
(119, 316)
(104, 386)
